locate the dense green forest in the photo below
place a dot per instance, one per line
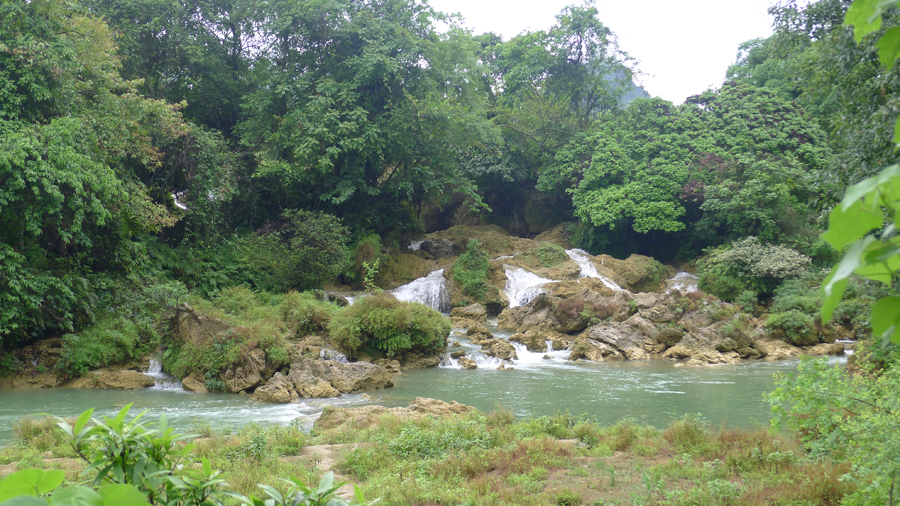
(215, 144)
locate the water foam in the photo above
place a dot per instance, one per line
(430, 290)
(588, 269)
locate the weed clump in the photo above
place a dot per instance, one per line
(470, 270)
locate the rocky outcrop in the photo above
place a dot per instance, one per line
(369, 416)
(247, 374)
(194, 383)
(467, 363)
(474, 312)
(636, 273)
(321, 379)
(500, 348)
(119, 380)
(621, 337)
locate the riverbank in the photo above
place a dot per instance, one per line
(433, 453)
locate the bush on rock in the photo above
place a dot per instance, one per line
(386, 325)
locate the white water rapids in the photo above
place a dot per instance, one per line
(522, 286)
(430, 290)
(588, 269)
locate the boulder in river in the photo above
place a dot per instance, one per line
(119, 380)
(474, 312)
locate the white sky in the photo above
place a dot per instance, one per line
(682, 47)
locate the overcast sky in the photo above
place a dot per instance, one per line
(682, 47)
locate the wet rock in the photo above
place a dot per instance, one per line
(474, 312)
(773, 349)
(588, 349)
(669, 336)
(642, 326)
(245, 374)
(479, 334)
(119, 380)
(442, 248)
(416, 360)
(709, 356)
(392, 366)
(621, 337)
(726, 345)
(194, 383)
(458, 354)
(467, 363)
(369, 416)
(533, 340)
(504, 367)
(500, 348)
(833, 349)
(278, 389)
(636, 273)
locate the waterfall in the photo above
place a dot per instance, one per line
(522, 286)
(415, 245)
(430, 290)
(330, 354)
(684, 282)
(163, 380)
(588, 270)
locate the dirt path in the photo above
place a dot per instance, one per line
(323, 458)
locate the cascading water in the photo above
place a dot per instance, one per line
(430, 290)
(163, 380)
(588, 270)
(683, 282)
(415, 245)
(329, 354)
(522, 286)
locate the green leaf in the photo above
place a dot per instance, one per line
(25, 500)
(116, 494)
(846, 225)
(834, 285)
(896, 139)
(866, 186)
(865, 16)
(82, 421)
(30, 482)
(889, 47)
(886, 319)
(76, 495)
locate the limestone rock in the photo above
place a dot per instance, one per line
(119, 380)
(479, 334)
(194, 383)
(345, 378)
(500, 348)
(247, 373)
(369, 416)
(636, 273)
(669, 336)
(774, 349)
(594, 351)
(278, 389)
(474, 312)
(467, 363)
(834, 349)
(620, 337)
(709, 356)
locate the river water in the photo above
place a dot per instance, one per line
(543, 383)
(653, 391)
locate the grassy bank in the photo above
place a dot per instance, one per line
(495, 459)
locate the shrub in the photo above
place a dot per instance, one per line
(797, 326)
(306, 313)
(690, 434)
(302, 251)
(548, 254)
(110, 341)
(747, 264)
(470, 270)
(384, 324)
(365, 253)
